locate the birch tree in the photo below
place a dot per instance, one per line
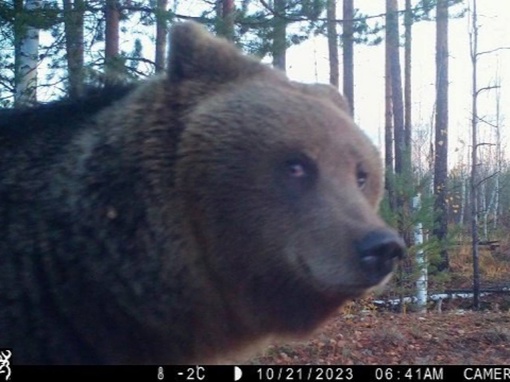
(27, 53)
(499, 154)
(476, 179)
(473, 37)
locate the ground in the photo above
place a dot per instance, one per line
(382, 338)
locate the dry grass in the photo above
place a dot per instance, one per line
(494, 265)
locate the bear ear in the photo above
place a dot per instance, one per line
(196, 54)
(333, 94)
(329, 92)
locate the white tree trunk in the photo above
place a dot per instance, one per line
(26, 81)
(421, 262)
(485, 208)
(499, 156)
(463, 197)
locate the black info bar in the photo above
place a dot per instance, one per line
(260, 373)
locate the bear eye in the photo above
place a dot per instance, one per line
(296, 169)
(361, 177)
(300, 167)
(297, 173)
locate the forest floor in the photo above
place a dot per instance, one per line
(363, 334)
(375, 338)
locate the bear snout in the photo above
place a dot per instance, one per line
(377, 253)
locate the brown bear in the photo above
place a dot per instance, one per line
(187, 217)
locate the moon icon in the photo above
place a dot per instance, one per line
(238, 373)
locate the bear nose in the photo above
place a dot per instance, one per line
(377, 251)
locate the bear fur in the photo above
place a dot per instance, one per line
(187, 217)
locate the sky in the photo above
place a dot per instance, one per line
(309, 63)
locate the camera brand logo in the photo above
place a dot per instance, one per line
(5, 364)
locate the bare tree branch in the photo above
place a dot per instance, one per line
(479, 90)
(487, 178)
(493, 50)
(484, 144)
(487, 122)
(141, 59)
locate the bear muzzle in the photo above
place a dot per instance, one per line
(377, 252)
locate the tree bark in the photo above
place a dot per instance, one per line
(348, 52)
(396, 83)
(332, 43)
(441, 132)
(73, 27)
(112, 22)
(161, 33)
(408, 23)
(474, 159)
(279, 49)
(388, 126)
(226, 17)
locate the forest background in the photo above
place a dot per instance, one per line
(426, 80)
